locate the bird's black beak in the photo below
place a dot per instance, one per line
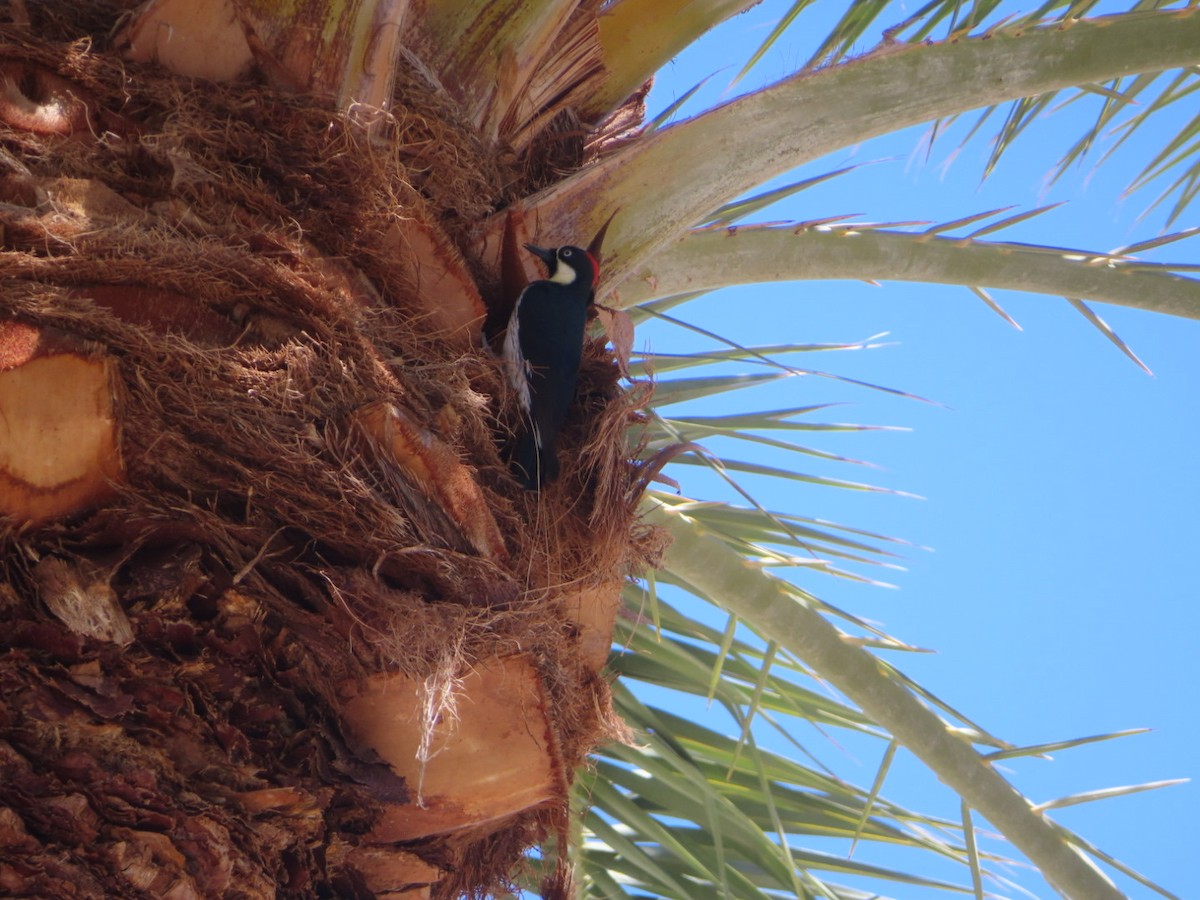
(546, 256)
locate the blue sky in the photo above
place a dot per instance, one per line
(1058, 478)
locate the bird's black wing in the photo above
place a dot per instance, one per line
(552, 344)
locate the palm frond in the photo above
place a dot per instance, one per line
(679, 772)
(707, 260)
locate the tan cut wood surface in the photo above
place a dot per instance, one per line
(489, 755)
(58, 435)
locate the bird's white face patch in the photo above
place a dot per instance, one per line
(563, 273)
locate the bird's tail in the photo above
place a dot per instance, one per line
(536, 460)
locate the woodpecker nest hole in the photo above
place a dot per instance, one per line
(278, 526)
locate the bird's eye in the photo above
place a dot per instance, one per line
(567, 252)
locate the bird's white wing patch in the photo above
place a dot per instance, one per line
(518, 368)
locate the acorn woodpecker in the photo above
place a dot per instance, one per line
(543, 348)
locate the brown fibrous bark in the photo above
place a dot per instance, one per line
(306, 496)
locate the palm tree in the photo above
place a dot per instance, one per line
(282, 621)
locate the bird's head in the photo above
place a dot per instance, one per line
(568, 265)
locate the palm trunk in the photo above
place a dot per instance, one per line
(280, 621)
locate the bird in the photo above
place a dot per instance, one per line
(542, 351)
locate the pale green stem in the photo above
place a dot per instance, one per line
(664, 185)
(710, 259)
